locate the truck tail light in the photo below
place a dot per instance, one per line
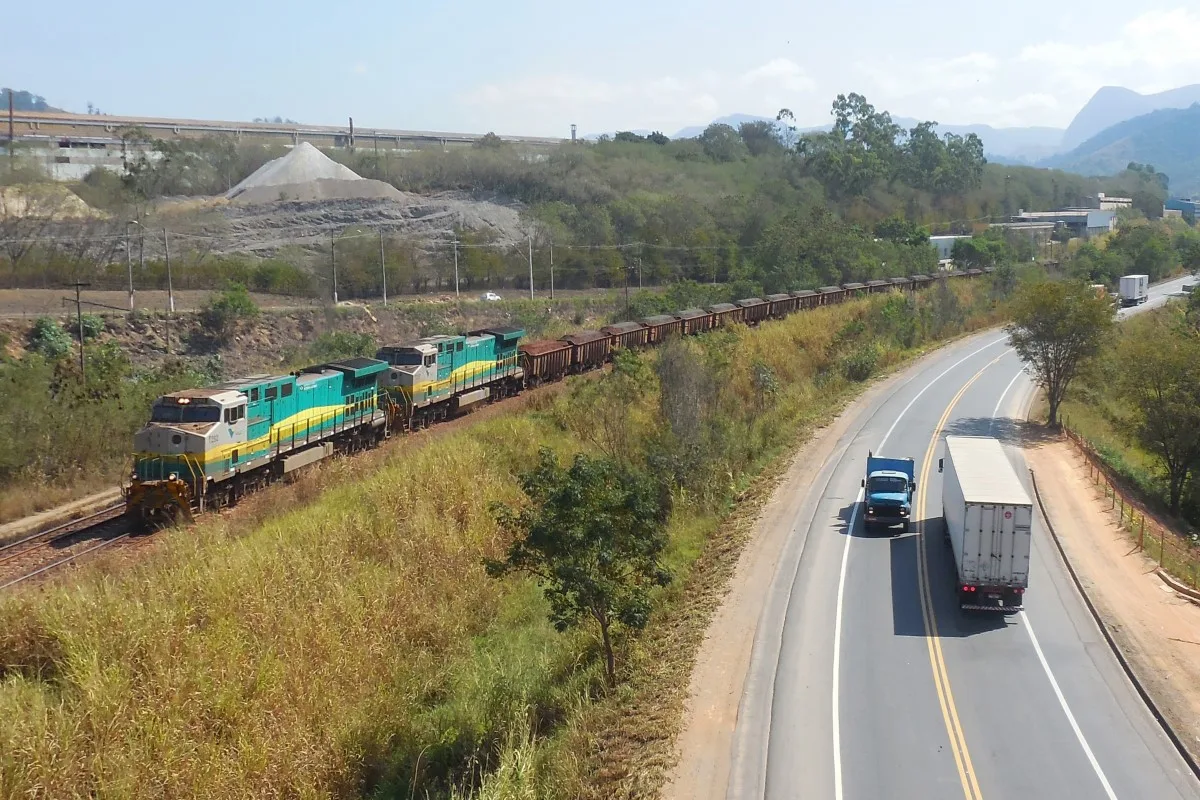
(1019, 590)
(968, 588)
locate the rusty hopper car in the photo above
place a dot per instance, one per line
(920, 281)
(831, 294)
(854, 289)
(589, 349)
(781, 304)
(756, 309)
(725, 314)
(806, 299)
(903, 284)
(879, 287)
(661, 326)
(545, 361)
(627, 334)
(695, 320)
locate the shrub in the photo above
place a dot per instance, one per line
(860, 365)
(341, 344)
(49, 339)
(226, 310)
(93, 326)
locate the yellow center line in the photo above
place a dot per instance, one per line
(941, 676)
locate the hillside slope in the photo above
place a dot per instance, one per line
(1113, 104)
(1168, 139)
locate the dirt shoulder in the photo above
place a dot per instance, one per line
(1157, 630)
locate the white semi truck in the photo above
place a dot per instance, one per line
(989, 524)
(1134, 289)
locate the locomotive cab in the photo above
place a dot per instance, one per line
(190, 434)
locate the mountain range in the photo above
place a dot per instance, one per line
(1168, 138)
(1116, 126)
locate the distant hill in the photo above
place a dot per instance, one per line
(1010, 145)
(24, 101)
(1113, 104)
(1169, 139)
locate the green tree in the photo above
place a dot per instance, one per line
(1056, 326)
(761, 137)
(1160, 382)
(901, 230)
(592, 536)
(722, 143)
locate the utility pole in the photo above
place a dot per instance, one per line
(531, 266)
(129, 265)
(551, 269)
(333, 261)
(12, 139)
(456, 269)
(382, 261)
(79, 320)
(627, 268)
(170, 286)
(142, 249)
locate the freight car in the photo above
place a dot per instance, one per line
(754, 309)
(589, 349)
(695, 320)
(204, 448)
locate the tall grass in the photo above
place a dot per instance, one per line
(355, 646)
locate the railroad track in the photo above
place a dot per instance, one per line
(63, 544)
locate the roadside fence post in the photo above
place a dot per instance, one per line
(1142, 534)
(1121, 513)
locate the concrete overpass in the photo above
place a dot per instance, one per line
(74, 144)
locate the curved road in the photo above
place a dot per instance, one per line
(866, 681)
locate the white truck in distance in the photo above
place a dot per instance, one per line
(989, 524)
(1134, 290)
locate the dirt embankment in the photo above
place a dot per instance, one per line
(1157, 630)
(281, 334)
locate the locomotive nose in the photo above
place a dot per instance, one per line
(169, 440)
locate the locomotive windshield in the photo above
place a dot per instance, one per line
(173, 413)
(401, 358)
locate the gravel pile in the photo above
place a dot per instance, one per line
(306, 175)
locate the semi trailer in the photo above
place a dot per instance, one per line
(988, 522)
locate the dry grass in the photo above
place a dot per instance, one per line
(339, 638)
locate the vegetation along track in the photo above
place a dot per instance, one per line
(63, 544)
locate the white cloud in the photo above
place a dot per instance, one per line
(1155, 41)
(667, 102)
(910, 78)
(781, 72)
(361, 68)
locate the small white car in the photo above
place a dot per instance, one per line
(490, 297)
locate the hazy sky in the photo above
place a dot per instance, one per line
(534, 67)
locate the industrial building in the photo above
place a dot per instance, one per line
(1185, 207)
(944, 246)
(1105, 202)
(1083, 223)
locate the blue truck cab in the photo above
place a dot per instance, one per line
(889, 487)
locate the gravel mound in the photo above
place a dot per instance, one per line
(304, 164)
(316, 190)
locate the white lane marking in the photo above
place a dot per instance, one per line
(996, 410)
(837, 620)
(1062, 701)
(837, 653)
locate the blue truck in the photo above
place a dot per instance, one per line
(889, 487)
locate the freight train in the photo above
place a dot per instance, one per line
(203, 449)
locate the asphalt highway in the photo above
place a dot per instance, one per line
(866, 681)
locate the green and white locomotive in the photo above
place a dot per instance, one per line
(436, 377)
(204, 448)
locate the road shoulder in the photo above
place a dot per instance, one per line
(1156, 630)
